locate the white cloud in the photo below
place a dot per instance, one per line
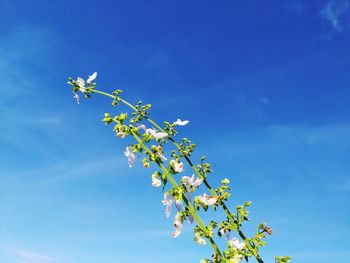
(26, 256)
(334, 11)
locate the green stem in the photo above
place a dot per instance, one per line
(188, 204)
(212, 191)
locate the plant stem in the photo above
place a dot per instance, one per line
(212, 191)
(188, 204)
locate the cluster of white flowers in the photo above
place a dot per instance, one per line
(82, 85)
(234, 243)
(191, 183)
(176, 194)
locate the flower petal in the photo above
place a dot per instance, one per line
(178, 225)
(141, 126)
(157, 135)
(208, 200)
(121, 135)
(227, 234)
(156, 182)
(162, 157)
(76, 97)
(200, 240)
(188, 196)
(180, 122)
(191, 181)
(151, 132)
(177, 166)
(81, 82)
(178, 204)
(167, 201)
(92, 77)
(236, 244)
(130, 155)
(160, 135)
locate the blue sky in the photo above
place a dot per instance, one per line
(265, 85)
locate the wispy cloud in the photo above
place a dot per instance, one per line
(334, 11)
(24, 49)
(73, 170)
(26, 256)
(21, 47)
(79, 167)
(21, 129)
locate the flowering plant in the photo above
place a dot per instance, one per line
(149, 143)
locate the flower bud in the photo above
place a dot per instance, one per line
(145, 163)
(225, 181)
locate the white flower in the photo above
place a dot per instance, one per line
(208, 200)
(236, 244)
(76, 97)
(92, 77)
(151, 132)
(161, 135)
(177, 166)
(191, 181)
(141, 126)
(121, 135)
(162, 157)
(130, 155)
(167, 201)
(225, 232)
(157, 135)
(199, 240)
(178, 225)
(81, 84)
(180, 122)
(156, 182)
